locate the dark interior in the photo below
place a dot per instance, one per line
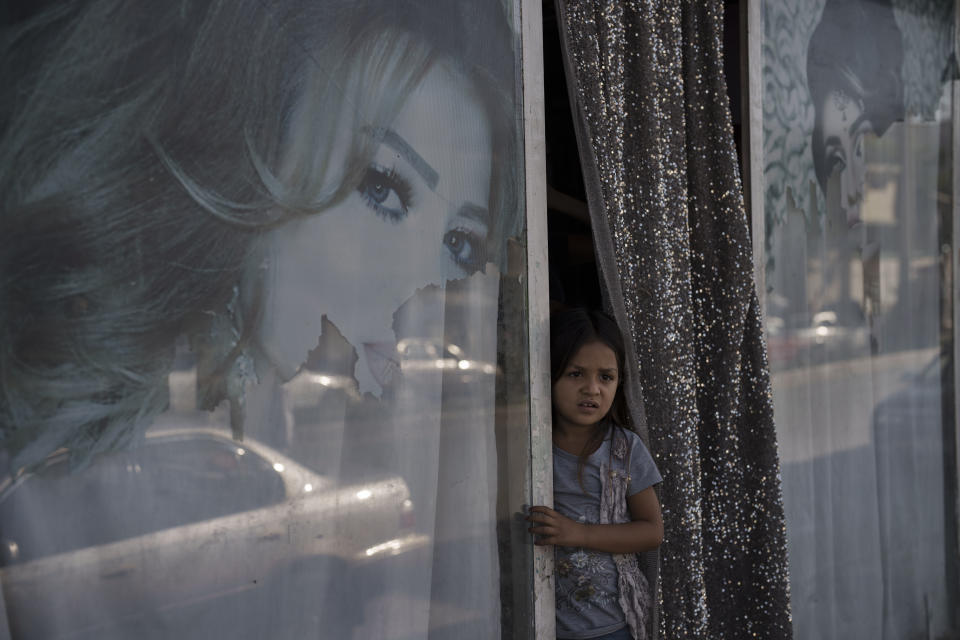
(574, 279)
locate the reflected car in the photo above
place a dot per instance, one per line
(417, 355)
(190, 518)
(825, 339)
(420, 354)
(828, 340)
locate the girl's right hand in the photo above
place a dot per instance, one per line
(642, 533)
(554, 528)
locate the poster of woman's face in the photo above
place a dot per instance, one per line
(420, 216)
(841, 87)
(239, 178)
(280, 227)
(854, 63)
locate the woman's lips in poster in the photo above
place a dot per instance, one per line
(382, 361)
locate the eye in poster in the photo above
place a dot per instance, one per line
(261, 329)
(858, 150)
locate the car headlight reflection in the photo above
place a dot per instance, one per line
(390, 546)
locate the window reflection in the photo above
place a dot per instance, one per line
(186, 503)
(860, 328)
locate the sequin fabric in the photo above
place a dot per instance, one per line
(673, 244)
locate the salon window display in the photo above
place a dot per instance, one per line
(854, 63)
(278, 225)
(858, 127)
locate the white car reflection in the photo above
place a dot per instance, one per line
(420, 354)
(413, 356)
(190, 518)
(825, 339)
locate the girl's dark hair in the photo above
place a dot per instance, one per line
(570, 330)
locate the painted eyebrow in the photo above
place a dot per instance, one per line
(856, 123)
(396, 142)
(475, 212)
(834, 141)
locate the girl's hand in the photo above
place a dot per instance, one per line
(554, 528)
(642, 533)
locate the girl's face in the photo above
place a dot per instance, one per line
(420, 216)
(584, 392)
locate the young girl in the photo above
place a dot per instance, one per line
(606, 510)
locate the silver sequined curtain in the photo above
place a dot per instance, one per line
(650, 104)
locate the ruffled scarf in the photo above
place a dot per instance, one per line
(636, 598)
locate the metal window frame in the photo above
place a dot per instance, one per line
(538, 317)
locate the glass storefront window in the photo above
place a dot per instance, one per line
(859, 216)
(263, 320)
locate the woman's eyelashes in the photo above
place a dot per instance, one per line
(391, 196)
(386, 192)
(467, 248)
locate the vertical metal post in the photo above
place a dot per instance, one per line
(538, 287)
(950, 441)
(753, 39)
